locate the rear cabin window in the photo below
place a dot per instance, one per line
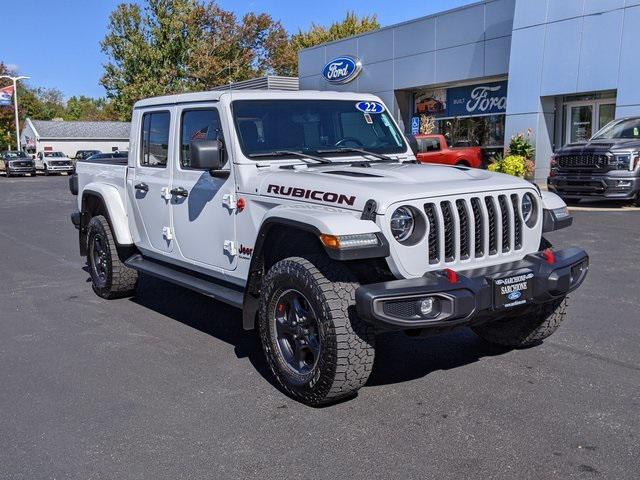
(428, 145)
(197, 126)
(155, 139)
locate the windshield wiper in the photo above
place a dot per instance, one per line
(285, 153)
(358, 150)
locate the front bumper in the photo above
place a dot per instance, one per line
(615, 185)
(20, 170)
(60, 168)
(470, 300)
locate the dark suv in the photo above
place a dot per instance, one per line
(14, 162)
(606, 167)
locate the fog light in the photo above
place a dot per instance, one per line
(623, 183)
(426, 306)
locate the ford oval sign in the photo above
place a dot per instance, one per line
(514, 295)
(342, 70)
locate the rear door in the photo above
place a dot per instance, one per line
(204, 220)
(149, 191)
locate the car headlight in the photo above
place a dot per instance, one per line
(528, 207)
(402, 223)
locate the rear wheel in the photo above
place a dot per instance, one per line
(317, 347)
(463, 163)
(525, 330)
(110, 278)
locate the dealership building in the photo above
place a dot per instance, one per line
(559, 69)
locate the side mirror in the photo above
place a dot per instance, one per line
(413, 143)
(206, 155)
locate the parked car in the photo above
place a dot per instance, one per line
(82, 154)
(14, 162)
(435, 149)
(606, 167)
(54, 162)
(306, 210)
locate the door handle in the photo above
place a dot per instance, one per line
(179, 192)
(142, 187)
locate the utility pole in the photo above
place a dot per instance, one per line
(15, 104)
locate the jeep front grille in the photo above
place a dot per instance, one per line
(467, 228)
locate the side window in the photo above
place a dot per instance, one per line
(155, 139)
(198, 125)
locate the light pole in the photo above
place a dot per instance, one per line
(15, 103)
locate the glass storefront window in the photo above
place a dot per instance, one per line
(581, 126)
(607, 113)
(485, 131)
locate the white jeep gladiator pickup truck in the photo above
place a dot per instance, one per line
(308, 211)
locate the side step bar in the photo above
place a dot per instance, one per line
(204, 284)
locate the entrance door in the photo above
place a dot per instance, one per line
(149, 190)
(584, 119)
(202, 217)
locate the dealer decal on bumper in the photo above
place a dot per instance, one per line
(513, 290)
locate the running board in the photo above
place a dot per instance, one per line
(204, 284)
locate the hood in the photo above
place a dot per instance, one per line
(350, 187)
(603, 145)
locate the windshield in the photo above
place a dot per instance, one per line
(320, 126)
(17, 155)
(54, 154)
(629, 128)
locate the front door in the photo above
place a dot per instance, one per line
(430, 150)
(584, 119)
(149, 190)
(203, 218)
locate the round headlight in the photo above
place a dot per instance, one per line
(527, 207)
(402, 223)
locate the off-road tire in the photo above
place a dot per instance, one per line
(120, 280)
(525, 330)
(347, 342)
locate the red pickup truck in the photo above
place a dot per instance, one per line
(434, 149)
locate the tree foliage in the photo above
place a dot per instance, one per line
(161, 47)
(285, 62)
(170, 46)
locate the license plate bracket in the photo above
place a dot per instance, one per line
(512, 290)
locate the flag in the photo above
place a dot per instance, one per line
(201, 134)
(6, 95)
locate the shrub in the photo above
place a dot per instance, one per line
(515, 165)
(520, 145)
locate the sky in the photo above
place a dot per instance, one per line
(57, 42)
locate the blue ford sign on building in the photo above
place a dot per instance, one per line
(342, 69)
(479, 99)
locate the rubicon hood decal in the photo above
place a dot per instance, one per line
(329, 197)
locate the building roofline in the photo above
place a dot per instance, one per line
(396, 25)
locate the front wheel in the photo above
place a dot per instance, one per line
(525, 330)
(110, 278)
(317, 347)
(46, 171)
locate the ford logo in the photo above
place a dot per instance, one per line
(514, 295)
(342, 69)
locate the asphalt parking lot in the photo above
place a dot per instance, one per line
(168, 385)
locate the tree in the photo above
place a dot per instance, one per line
(171, 46)
(285, 59)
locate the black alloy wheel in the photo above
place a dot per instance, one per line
(100, 258)
(297, 332)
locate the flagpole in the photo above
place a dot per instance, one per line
(15, 104)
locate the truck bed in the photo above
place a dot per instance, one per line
(111, 172)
